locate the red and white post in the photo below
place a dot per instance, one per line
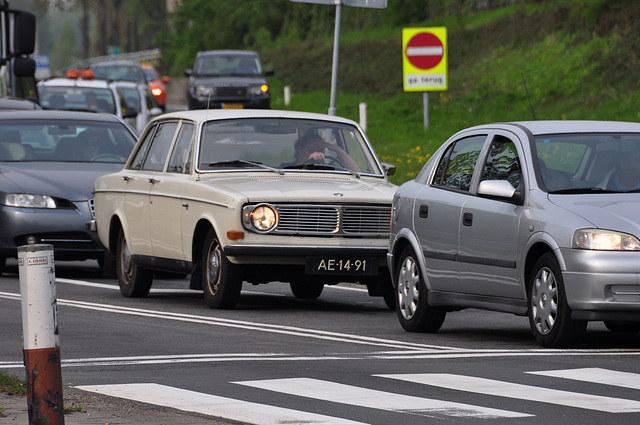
(40, 334)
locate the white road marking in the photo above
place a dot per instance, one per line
(522, 392)
(596, 375)
(374, 399)
(222, 407)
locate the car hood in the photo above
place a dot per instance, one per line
(70, 180)
(606, 211)
(226, 80)
(305, 188)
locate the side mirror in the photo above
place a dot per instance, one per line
(24, 33)
(188, 72)
(165, 79)
(268, 72)
(389, 169)
(155, 111)
(24, 67)
(501, 190)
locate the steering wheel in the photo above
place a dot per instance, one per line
(106, 156)
(333, 160)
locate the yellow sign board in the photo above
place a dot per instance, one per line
(424, 59)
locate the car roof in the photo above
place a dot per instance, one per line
(204, 114)
(52, 114)
(75, 82)
(540, 127)
(227, 52)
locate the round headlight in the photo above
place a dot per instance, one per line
(264, 218)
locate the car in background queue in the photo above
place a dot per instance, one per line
(139, 102)
(218, 194)
(49, 161)
(527, 218)
(228, 79)
(157, 84)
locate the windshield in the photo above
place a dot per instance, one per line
(64, 141)
(150, 74)
(77, 98)
(285, 144)
(118, 72)
(586, 163)
(228, 65)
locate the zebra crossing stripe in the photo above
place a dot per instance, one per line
(596, 375)
(222, 407)
(522, 392)
(364, 397)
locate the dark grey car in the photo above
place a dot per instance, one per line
(537, 218)
(228, 79)
(49, 161)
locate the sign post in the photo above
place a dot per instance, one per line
(424, 62)
(377, 4)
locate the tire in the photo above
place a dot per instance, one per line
(624, 327)
(549, 313)
(306, 291)
(134, 280)
(221, 282)
(414, 312)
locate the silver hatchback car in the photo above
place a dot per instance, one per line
(533, 218)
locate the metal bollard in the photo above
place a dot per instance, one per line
(41, 341)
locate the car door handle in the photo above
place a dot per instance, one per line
(424, 211)
(153, 181)
(127, 178)
(467, 219)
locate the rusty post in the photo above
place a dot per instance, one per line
(41, 341)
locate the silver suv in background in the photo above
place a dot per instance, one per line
(228, 79)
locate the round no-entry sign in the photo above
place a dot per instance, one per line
(424, 50)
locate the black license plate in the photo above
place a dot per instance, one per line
(342, 266)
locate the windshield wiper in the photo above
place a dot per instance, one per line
(581, 190)
(314, 166)
(236, 162)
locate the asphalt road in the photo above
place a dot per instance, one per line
(341, 359)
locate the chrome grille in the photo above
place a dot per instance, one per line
(327, 220)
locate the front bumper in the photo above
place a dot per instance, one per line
(263, 102)
(70, 231)
(263, 263)
(602, 285)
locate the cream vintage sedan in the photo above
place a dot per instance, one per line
(249, 195)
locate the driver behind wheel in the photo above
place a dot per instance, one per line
(311, 149)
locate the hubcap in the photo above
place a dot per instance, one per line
(408, 288)
(125, 258)
(213, 269)
(544, 301)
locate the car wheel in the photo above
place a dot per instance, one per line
(221, 282)
(549, 314)
(414, 312)
(134, 280)
(626, 327)
(306, 290)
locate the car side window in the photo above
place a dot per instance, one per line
(502, 162)
(138, 158)
(456, 166)
(180, 161)
(159, 148)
